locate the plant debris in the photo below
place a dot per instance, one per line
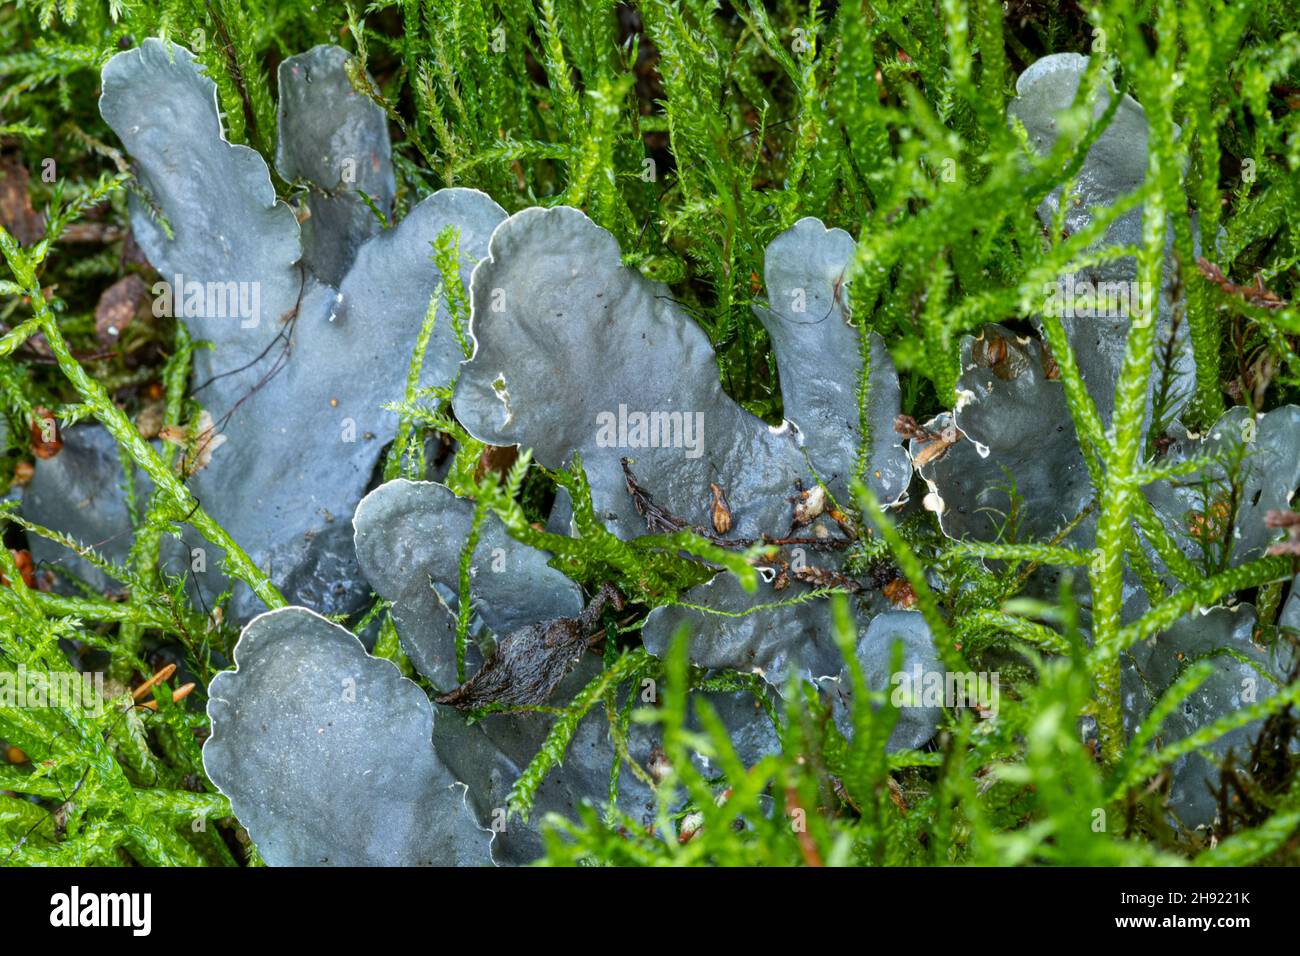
(528, 664)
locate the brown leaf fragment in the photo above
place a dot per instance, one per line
(719, 510)
(909, 427)
(657, 520)
(16, 212)
(91, 233)
(937, 447)
(132, 254)
(527, 664)
(845, 522)
(525, 667)
(825, 578)
(1255, 295)
(497, 459)
(896, 794)
(899, 593)
(119, 304)
(1004, 357)
(1051, 371)
(27, 570)
(46, 441)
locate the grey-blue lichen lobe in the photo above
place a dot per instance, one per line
(1015, 471)
(336, 139)
(906, 685)
(819, 353)
(80, 492)
(215, 197)
(1243, 672)
(572, 348)
(752, 632)
(326, 753)
(1252, 466)
(1107, 293)
(409, 537)
(281, 382)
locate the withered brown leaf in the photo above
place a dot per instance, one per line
(118, 306)
(719, 510)
(16, 213)
(46, 440)
(528, 664)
